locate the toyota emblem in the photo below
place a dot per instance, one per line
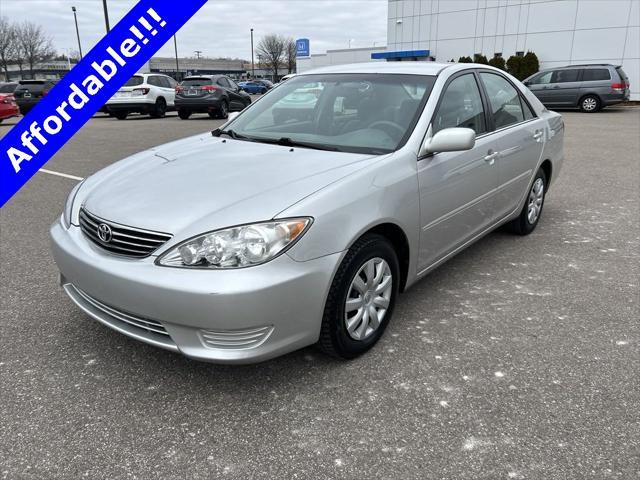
(104, 232)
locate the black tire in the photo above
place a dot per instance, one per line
(223, 111)
(522, 225)
(159, 109)
(590, 104)
(121, 115)
(184, 114)
(334, 337)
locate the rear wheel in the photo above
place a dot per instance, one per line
(361, 299)
(532, 209)
(121, 115)
(184, 114)
(159, 109)
(590, 104)
(223, 111)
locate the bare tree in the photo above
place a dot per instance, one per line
(34, 44)
(8, 45)
(271, 51)
(291, 55)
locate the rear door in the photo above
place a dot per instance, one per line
(456, 188)
(167, 87)
(565, 87)
(235, 100)
(520, 138)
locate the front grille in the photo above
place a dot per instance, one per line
(235, 339)
(127, 241)
(143, 329)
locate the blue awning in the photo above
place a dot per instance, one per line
(400, 54)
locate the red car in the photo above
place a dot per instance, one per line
(8, 106)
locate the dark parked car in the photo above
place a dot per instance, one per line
(8, 87)
(587, 87)
(216, 95)
(29, 92)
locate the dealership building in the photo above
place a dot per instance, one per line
(559, 32)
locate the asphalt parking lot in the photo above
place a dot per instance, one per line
(518, 359)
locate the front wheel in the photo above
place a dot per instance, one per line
(361, 299)
(532, 210)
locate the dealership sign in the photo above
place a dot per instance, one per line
(87, 87)
(302, 47)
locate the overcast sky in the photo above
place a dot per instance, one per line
(220, 28)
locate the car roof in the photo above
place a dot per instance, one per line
(411, 68)
(586, 65)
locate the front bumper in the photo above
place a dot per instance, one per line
(225, 316)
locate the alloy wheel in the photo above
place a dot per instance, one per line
(589, 104)
(368, 298)
(536, 197)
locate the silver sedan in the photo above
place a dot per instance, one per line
(300, 220)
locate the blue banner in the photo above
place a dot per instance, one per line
(87, 87)
(302, 47)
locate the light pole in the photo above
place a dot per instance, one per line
(197, 52)
(175, 45)
(253, 72)
(106, 15)
(75, 18)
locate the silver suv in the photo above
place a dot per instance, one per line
(587, 87)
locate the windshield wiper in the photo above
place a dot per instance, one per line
(231, 134)
(288, 142)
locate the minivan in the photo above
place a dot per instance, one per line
(587, 87)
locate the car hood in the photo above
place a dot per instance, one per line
(203, 183)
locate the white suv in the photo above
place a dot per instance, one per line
(147, 93)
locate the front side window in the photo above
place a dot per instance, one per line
(541, 78)
(504, 100)
(368, 113)
(565, 76)
(461, 106)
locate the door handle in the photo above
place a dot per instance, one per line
(490, 158)
(537, 135)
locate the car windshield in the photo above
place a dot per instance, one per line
(360, 113)
(134, 81)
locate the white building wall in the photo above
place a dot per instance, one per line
(560, 32)
(336, 57)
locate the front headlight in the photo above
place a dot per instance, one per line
(68, 206)
(237, 247)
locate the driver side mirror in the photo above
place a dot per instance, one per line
(449, 140)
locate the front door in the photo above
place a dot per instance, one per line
(520, 138)
(456, 188)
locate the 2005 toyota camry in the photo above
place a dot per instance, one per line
(300, 220)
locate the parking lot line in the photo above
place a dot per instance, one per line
(65, 175)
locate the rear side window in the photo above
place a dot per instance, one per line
(504, 99)
(592, 74)
(196, 82)
(223, 82)
(461, 106)
(565, 76)
(134, 81)
(155, 81)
